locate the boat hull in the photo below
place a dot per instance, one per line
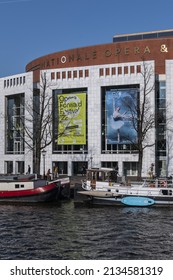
(158, 202)
(99, 188)
(50, 192)
(101, 198)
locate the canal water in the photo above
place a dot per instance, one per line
(67, 233)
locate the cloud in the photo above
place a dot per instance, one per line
(13, 1)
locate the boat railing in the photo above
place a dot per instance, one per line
(158, 183)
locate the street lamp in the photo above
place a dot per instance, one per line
(91, 158)
(43, 154)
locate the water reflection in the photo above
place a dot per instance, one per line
(66, 232)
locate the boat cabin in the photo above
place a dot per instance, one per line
(101, 175)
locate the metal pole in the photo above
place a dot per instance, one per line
(44, 166)
(91, 158)
(43, 154)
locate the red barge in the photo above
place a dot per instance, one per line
(29, 189)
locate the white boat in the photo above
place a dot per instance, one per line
(99, 188)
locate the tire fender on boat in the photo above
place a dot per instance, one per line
(164, 184)
(85, 186)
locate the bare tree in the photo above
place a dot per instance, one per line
(146, 114)
(143, 114)
(31, 121)
(37, 124)
(168, 137)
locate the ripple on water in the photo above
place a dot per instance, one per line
(66, 232)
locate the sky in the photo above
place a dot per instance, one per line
(34, 28)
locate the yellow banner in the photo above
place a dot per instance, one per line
(72, 119)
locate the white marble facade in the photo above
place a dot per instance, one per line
(93, 83)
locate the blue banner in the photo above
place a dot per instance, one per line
(121, 116)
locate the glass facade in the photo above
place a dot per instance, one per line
(61, 165)
(130, 168)
(142, 36)
(8, 167)
(15, 124)
(161, 129)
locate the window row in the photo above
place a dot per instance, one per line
(14, 82)
(18, 167)
(61, 75)
(119, 70)
(129, 168)
(108, 71)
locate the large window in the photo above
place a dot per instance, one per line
(161, 128)
(8, 167)
(20, 167)
(61, 165)
(14, 124)
(130, 168)
(70, 128)
(110, 164)
(79, 167)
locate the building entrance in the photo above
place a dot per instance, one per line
(79, 168)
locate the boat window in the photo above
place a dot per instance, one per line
(165, 192)
(17, 186)
(97, 176)
(113, 176)
(170, 192)
(101, 176)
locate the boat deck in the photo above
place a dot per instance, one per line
(97, 193)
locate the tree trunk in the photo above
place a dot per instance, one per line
(140, 164)
(36, 159)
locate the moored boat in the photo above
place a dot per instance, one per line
(29, 189)
(99, 188)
